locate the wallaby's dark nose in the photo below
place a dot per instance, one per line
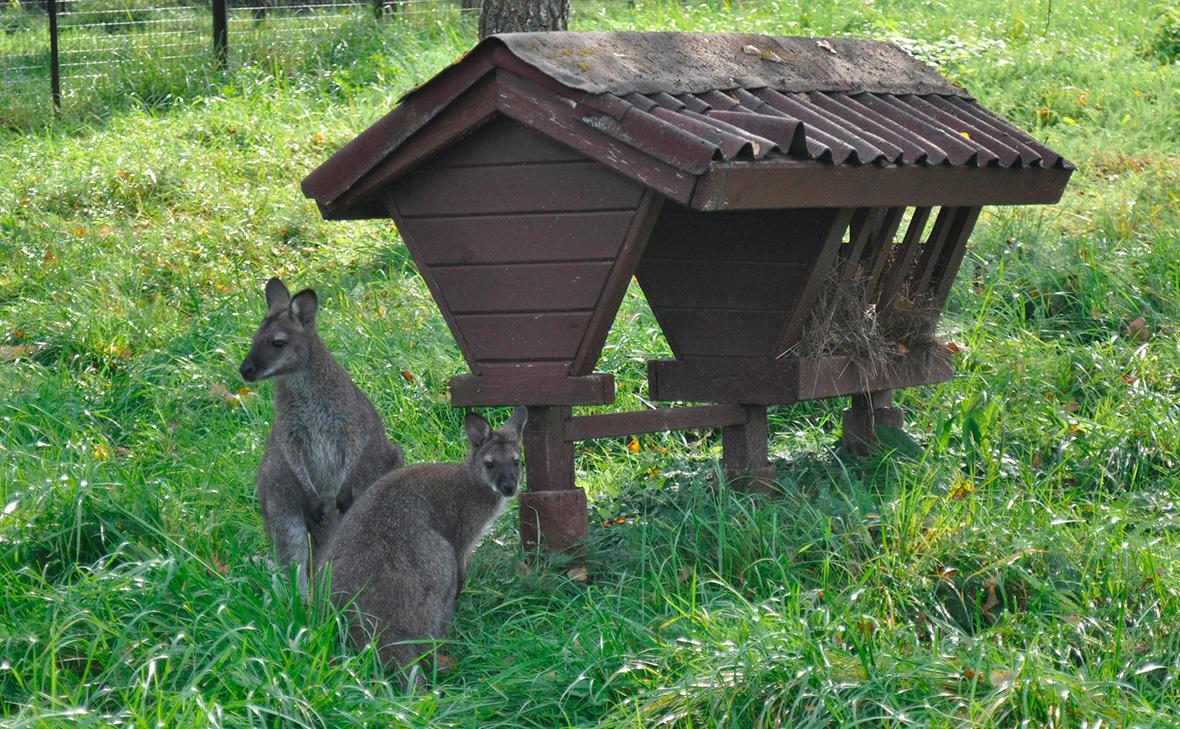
(247, 371)
(507, 487)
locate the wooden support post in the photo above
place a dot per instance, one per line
(744, 453)
(553, 512)
(220, 35)
(54, 55)
(861, 420)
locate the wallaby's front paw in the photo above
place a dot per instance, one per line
(315, 512)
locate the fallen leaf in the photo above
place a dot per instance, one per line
(990, 602)
(751, 50)
(999, 678)
(222, 393)
(685, 574)
(578, 574)
(407, 376)
(105, 230)
(381, 310)
(444, 663)
(826, 46)
(946, 573)
(50, 258)
(1131, 380)
(1138, 330)
(221, 567)
(954, 348)
(633, 445)
(318, 138)
(962, 489)
(19, 351)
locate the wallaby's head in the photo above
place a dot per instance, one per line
(284, 339)
(495, 454)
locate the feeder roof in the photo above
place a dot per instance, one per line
(685, 112)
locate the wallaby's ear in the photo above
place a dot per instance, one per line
(478, 430)
(304, 306)
(516, 422)
(277, 295)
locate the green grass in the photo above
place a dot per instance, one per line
(1022, 567)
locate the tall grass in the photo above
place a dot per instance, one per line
(1019, 566)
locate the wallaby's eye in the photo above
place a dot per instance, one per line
(279, 343)
(488, 463)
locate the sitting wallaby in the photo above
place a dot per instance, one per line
(400, 555)
(327, 444)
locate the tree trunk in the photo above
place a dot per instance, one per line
(522, 16)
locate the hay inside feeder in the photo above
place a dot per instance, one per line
(848, 320)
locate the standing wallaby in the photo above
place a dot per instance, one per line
(400, 555)
(327, 444)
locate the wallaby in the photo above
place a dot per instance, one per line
(400, 555)
(327, 444)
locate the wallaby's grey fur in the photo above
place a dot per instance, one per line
(401, 554)
(327, 444)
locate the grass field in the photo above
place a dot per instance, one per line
(1020, 567)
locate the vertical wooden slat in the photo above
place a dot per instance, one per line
(825, 256)
(869, 221)
(956, 247)
(616, 284)
(904, 260)
(932, 250)
(877, 254)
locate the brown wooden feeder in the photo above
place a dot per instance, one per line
(733, 175)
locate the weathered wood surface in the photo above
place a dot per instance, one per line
(726, 285)
(588, 427)
(781, 382)
(521, 388)
(776, 184)
(527, 261)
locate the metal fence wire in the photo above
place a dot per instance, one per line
(121, 44)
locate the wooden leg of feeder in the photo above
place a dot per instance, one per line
(553, 512)
(744, 450)
(860, 421)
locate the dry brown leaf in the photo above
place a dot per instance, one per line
(1137, 329)
(578, 574)
(444, 663)
(407, 376)
(999, 678)
(990, 602)
(16, 351)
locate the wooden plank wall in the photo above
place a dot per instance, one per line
(516, 235)
(723, 284)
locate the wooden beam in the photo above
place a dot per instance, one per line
(588, 427)
(488, 391)
(790, 183)
(765, 381)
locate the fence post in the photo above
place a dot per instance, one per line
(220, 35)
(54, 65)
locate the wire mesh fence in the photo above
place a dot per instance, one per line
(128, 45)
